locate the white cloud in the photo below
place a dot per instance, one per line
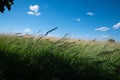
(89, 14)
(104, 36)
(34, 10)
(116, 26)
(37, 14)
(102, 29)
(27, 30)
(78, 19)
(31, 13)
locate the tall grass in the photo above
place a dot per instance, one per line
(23, 58)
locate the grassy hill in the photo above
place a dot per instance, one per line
(30, 58)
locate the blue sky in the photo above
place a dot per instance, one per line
(85, 19)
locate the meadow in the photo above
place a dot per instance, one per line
(40, 58)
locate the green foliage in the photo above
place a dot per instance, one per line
(5, 3)
(23, 58)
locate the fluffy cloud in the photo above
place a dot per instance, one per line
(89, 14)
(102, 29)
(27, 30)
(116, 26)
(31, 13)
(34, 10)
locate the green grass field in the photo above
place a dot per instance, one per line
(29, 58)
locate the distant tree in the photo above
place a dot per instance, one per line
(94, 40)
(5, 3)
(111, 40)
